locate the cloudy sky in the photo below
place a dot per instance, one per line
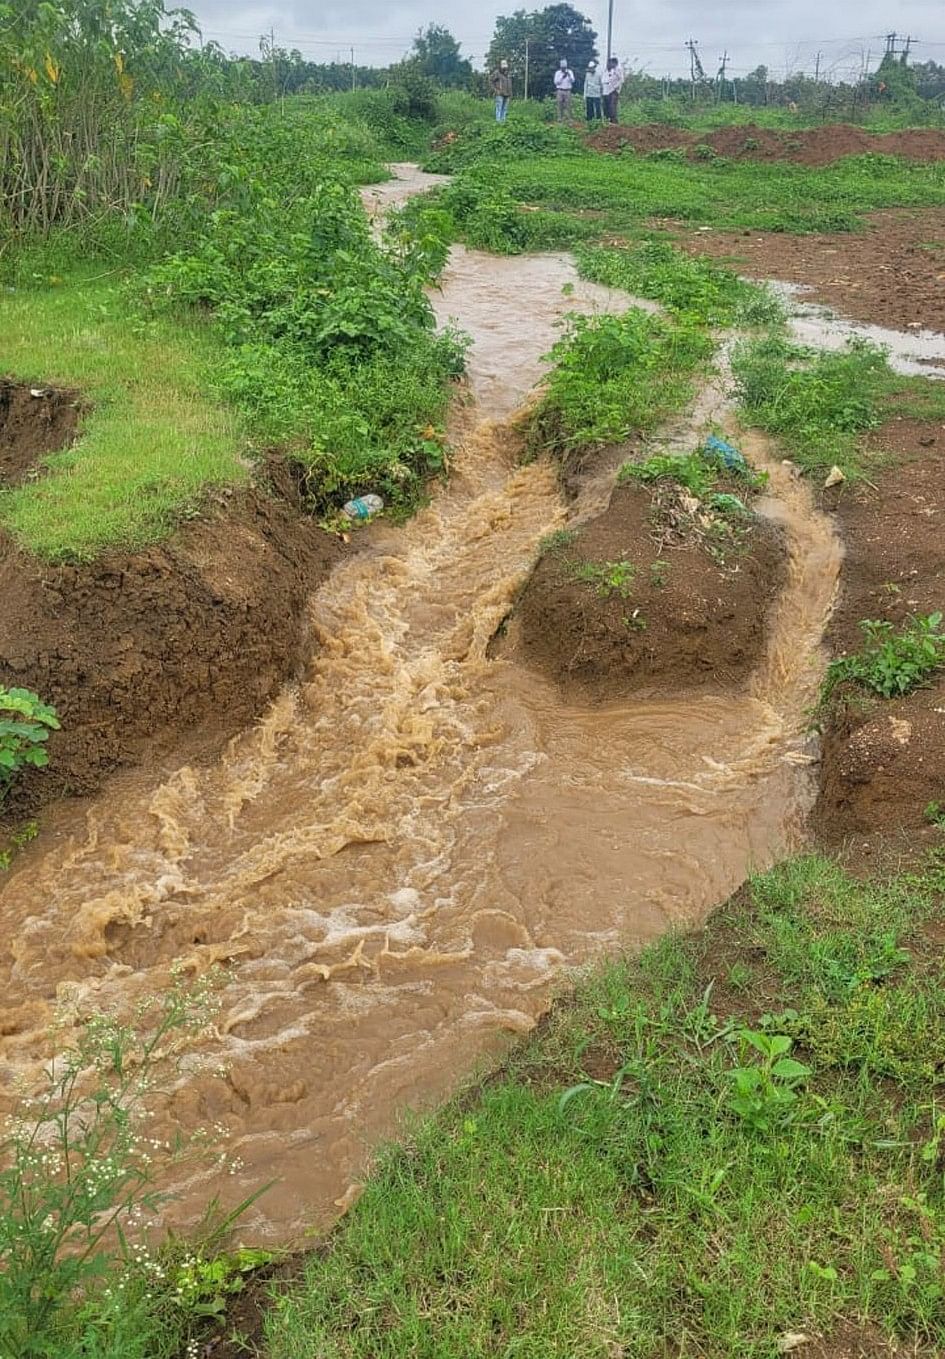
(780, 33)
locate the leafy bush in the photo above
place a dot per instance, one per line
(331, 339)
(614, 375)
(698, 472)
(25, 724)
(891, 663)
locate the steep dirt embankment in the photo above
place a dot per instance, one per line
(884, 760)
(646, 598)
(137, 649)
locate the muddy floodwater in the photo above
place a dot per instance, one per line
(399, 863)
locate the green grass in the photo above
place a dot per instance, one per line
(614, 376)
(892, 661)
(698, 288)
(677, 1163)
(629, 191)
(153, 443)
(820, 405)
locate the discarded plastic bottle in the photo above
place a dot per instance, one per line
(726, 454)
(363, 507)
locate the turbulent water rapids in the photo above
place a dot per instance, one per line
(399, 863)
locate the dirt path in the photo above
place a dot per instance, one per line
(398, 864)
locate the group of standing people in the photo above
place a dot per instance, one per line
(601, 90)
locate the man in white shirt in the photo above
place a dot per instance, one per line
(564, 84)
(613, 80)
(593, 94)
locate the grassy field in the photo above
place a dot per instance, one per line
(153, 442)
(735, 1139)
(602, 195)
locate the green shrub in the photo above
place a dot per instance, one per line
(331, 342)
(891, 663)
(25, 724)
(614, 375)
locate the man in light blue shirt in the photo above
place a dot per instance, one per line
(594, 94)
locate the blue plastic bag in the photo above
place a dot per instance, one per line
(725, 454)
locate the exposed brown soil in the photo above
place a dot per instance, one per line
(684, 622)
(137, 649)
(805, 146)
(892, 274)
(31, 426)
(884, 760)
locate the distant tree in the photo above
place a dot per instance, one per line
(895, 81)
(930, 79)
(551, 33)
(436, 54)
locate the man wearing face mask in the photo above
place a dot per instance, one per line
(593, 94)
(564, 84)
(501, 83)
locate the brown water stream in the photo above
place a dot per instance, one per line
(398, 864)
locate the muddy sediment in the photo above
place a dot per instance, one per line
(618, 610)
(883, 760)
(136, 650)
(890, 274)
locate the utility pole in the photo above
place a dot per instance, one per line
(354, 73)
(610, 30)
(696, 73)
(526, 68)
(723, 63)
(817, 69)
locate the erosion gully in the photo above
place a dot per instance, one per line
(401, 862)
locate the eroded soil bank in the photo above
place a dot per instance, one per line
(33, 421)
(140, 650)
(883, 761)
(630, 606)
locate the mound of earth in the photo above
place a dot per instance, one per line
(136, 650)
(883, 760)
(33, 425)
(891, 274)
(804, 146)
(622, 606)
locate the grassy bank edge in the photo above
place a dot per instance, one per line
(153, 441)
(728, 1139)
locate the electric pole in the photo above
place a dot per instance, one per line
(696, 73)
(526, 68)
(354, 72)
(817, 69)
(723, 63)
(610, 29)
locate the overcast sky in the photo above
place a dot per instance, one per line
(780, 33)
